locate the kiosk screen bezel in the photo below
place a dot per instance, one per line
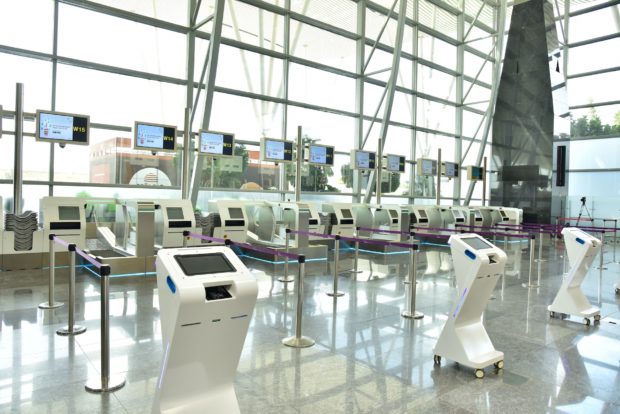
(235, 212)
(175, 213)
(211, 263)
(68, 213)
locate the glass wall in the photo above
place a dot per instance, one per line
(276, 71)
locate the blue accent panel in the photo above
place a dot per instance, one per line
(171, 285)
(580, 241)
(470, 255)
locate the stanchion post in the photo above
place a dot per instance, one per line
(185, 237)
(601, 264)
(287, 242)
(409, 311)
(71, 328)
(540, 245)
(335, 293)
(51, 302)
(615, 231)
(531, 270)
(298, 340)
(107, 382)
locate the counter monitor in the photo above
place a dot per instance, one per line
(62, 128)
(154, 137)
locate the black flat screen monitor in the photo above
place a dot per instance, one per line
(235, 213)
(476, 243)
(175, 213)
(153, 137)
(68, 213)
(395, 163)
(204, 264)
(321, 154)
(216, 143)
(364, 160)
(62, 128)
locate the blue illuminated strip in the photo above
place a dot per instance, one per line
(458, 307)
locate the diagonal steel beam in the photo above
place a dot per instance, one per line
(391, 89)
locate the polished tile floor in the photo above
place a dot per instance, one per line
(367, 358)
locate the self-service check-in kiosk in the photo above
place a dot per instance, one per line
(340, 220)
(172, 218)
(206, 299)
(226, 219)
(570, 300)
(290, 212)
(515, 215)
(387, 217)
(475, 217)
(478, 265)
(64, 217)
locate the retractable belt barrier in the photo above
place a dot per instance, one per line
(106, 382)
(297, 340)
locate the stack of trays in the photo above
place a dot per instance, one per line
(22, 226)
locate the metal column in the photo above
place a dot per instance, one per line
(391, 89)
(19, 148)
(414, 102)
(359, 92)
(458, 131)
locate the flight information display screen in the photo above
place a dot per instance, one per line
(451, 169)
(395, 163)
(476, 243)
(204, 264)
(426, 167)
(216, 143)
(476, 173)
(175, 213)
(69, 213)
(321, 154)
(62, 128)
(154, 137)
(277, 150)
(364, 160)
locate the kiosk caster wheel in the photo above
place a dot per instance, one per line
(586, 321)
(437, 360)
(617, 291)
(479, 373)
(499, 364)
(597, 318)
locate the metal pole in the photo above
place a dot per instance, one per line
(505, 242)
(286, 278)
(484, 178)
(529, 283)
(335, 293)
(409, 311)
(71, 328)
(357, 256)
(438, 195)
(601, 265)
(187, 139)
(299, 341)
(540, 246)
(300, 158)
(615, 232)
(379, 171)
(19, 148)
(185, 240)
(106, 383)
(51, 303)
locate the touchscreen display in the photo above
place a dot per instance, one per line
(204, 264)
(476, 243)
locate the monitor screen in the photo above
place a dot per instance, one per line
(216, 143)
(364, 160)
(346, 213)
(154, 137)
(451, 169)
(68, 213)
(427, 167)
(321, 154)
(477, 214)
(175, 213)
(277, 150)
(62, 128)
(204, 264)
(422, 213)
(476, 243)
(393, 213)
(457, 213)
(502, 213)
(476, 173)
(395, 163)
(235, 213)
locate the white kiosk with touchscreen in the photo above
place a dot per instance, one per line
(65, 217)
(570, 300)
(478, 266)
(206, 300)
